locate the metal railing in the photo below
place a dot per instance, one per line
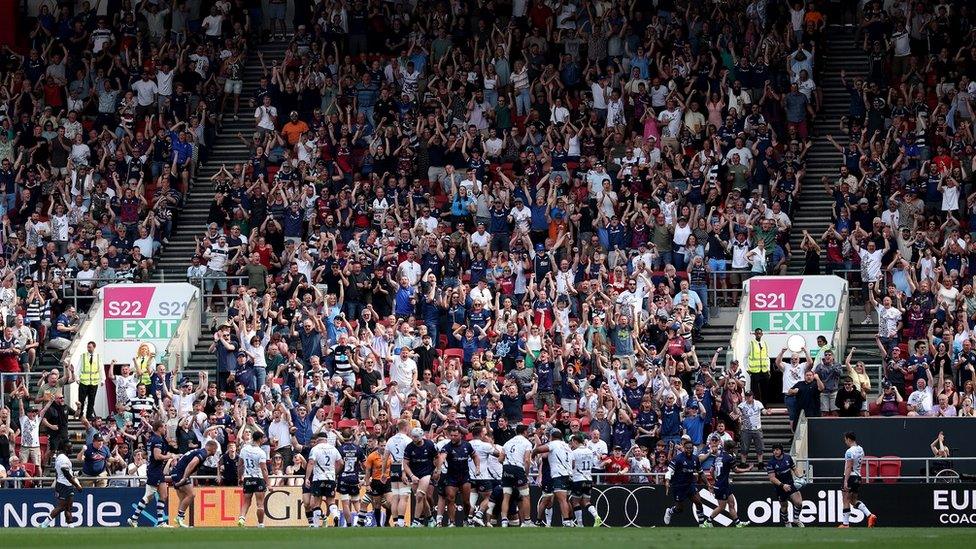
(14, 377)
(931, 471)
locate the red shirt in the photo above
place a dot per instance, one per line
(615, 465)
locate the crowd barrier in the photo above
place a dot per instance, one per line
(619, 505)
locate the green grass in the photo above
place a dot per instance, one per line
(470, 538)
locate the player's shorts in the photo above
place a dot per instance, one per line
(681, 493)
(853, 484)
(350, 489)
(442, 485)
(378, 488)
(253, 485)
(561, 484)
(723, 493)
(64, 491)
(581, 488)
(457, 481)
(174, 479)
(546, 486)
(396, 472)
(514, 477)
(155, 479)
(323, 488)
(483, 485)
(782, 495)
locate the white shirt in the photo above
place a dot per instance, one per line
(583, 463)
(515, 451)
(146, 91)
(484, 450)
(126, 385)
(855, 454)
(324, 458)
(396, 445)
(921, 400)
(599, 449)
(62, 462)
(560, 458)
(213, 24)
(751, 415)
(791, 375)
(252, 457)
(871, 264)
(30, 436)
(402, 371)
(265, 117)
(411, 270)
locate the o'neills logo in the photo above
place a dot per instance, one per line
(826, 508)
(957, 506)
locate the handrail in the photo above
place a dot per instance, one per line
(180, 347)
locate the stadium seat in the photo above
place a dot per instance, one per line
(869, 468)
(889, 469)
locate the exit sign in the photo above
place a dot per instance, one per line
(145, 328)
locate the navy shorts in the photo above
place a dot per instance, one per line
(155, 479)
(483, 485)
(561, 484)
(348, 488)
(253, 485)
(546, 486)
(783, 495)
(853, 484)
(323, 488)
(723, 493)
(396, 473)
(581, 488)
(378, 488)
(457, 480)
(682, 493)
(513, 477)
(64, 491)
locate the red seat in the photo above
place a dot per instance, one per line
(454, 353)
(348, 423)
(869, 468)
(889, 469)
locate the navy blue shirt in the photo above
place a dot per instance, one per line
(684, 469)
(782, 467)
(421, 458)
(670, 421)
(721, 468)
(352, 459)
(457, 456)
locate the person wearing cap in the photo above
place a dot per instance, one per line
(95, 458)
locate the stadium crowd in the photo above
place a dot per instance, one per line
(476, 216)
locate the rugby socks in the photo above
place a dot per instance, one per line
(592, 510)
(334, 511)
(847, 516)
(399, 521)
(140, 507)
(783, 514)
(863, 508)
(317, 517)
(549, 516)
(578, 513)
(308, 517)
(160, 511)
(440, 520)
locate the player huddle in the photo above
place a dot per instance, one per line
(459, 478)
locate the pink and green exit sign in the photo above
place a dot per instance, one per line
(144, 312)
(805, 305)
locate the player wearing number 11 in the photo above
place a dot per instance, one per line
(253, 468)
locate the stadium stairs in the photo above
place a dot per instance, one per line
(813, 205)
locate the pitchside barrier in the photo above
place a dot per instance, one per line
(619, 505)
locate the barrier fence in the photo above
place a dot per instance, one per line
(618, 505)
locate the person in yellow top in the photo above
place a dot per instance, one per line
(758, 365)
(294, 128)
(144, 363)
(90, 378)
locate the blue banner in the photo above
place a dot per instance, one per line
(92, 507)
